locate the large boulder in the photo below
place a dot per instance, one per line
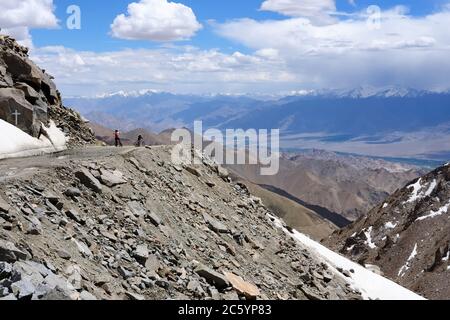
(22, 69)
(10, 253)
(13, 101)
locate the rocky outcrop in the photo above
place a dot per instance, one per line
(155, 231)
(29, 97)
(407, 237)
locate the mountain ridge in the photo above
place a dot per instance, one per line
(407, 236)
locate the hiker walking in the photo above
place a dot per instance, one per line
(140, 141)
(117, 139)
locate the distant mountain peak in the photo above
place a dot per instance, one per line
(126, 94)
(364, 91)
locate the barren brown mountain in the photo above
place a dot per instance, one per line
(345, 185)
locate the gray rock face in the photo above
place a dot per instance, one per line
(73, 192)
(9, 252)
(214, 224)
(141, 254)
(194, 171)
(111, 178)
(28, 280)
(223, 173)
(213, 277)
(137, 208)
(23, 289)
(89, 180)
(4, 206)
(29, 91)
(75, 215)
(5, 270)
(12, 100)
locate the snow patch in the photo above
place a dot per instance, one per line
(407, 265)
(434, 214)
(369, 242)
(431, 188)
(385, 205)
(417, 187)
(447, 257)
(390, 225)
(17, 143)
(371, 285)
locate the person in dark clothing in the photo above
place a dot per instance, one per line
(117, 139)
(140, 141)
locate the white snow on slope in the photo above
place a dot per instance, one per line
(407, 265)
(447, 257)
(371, 285)
(369, 242)
(390, 225)
(16, 143)
(417, 187)
(434, 214)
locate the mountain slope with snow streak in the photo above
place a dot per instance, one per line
(410, 234)
(371, 285)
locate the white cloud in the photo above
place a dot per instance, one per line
(315, 10)
(18, 17)
(405, 50)
(27, 13)
(156, 20)
(294, 53)
(21, 34)
(176, 69)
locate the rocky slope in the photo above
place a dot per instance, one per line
(407, 237)
(95, 223)
(29, 93)
(345, 185)
(293, 214)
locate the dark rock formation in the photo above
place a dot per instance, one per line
(29, 97)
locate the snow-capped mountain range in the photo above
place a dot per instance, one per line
(388, 122)
(356, 93)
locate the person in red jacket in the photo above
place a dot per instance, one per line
(117, 139)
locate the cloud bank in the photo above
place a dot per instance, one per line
(295, 52)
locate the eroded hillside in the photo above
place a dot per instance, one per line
(407, 237)
(131, 225)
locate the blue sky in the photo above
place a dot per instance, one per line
(98, 16)
(235, 46)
